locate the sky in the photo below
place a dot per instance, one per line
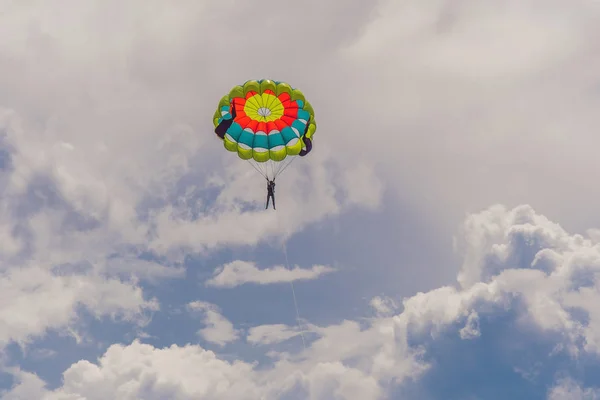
(441, 241)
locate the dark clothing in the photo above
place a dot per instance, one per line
(222, 128)
(270, 193)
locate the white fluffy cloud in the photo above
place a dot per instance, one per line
(567, 389)
(383, 305)
(240, 272)
(140, 371)
(535, 282)
(218, 329)
(269, 334)
(33, 300)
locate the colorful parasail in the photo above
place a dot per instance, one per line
(266, 122)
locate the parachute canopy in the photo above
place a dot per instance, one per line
(265, 121)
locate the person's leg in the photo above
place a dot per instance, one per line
(268, 198)
(274, 202)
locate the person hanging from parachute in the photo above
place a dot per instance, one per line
(270, 193)
(268, 123)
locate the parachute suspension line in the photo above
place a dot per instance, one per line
(273, 168)
(276, 172)
(269, 171)
(272, 165)
(258, 169)
(283, 166)
(287, 266)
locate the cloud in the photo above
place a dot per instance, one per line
(528, 327)
(522, 303)
(142, 371)
(476, 40)
(27, 313)
(240, 272)
(26, 386)
(383, 305)
(271, 334)
(108, 160)
(40, 353)
(487, 72)
(143, 269)
(568, 389)
(218, 329)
